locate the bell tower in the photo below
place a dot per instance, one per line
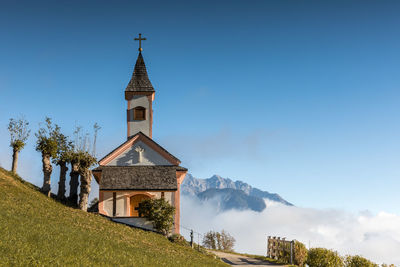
(140, 96)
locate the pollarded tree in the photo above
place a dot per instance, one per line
(85, 163)
(83, 158)
(74, 181)
(46, 143)
(64, 154)
(19, 133)
(74, 158)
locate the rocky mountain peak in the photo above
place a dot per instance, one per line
(194, 186)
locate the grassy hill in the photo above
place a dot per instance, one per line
(36, 230)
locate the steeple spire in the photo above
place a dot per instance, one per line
(140, 96)
(140, 80)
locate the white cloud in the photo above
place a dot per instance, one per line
(376, 237)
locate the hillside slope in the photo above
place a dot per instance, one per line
(36, 230)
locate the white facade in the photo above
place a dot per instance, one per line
(131, 157)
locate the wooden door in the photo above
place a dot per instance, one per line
(135, 200)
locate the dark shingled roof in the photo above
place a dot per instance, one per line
(140, 81)
(138, 177)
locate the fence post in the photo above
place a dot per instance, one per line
(191, 238)
(291, 251)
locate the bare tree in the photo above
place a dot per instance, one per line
(19, 133)
(209, 240)
(96, 128)
(220, 241)
(226, 241)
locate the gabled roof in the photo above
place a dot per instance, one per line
(140, 81)
(148, 141)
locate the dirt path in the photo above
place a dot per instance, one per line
(240, 260)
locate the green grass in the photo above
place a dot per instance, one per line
(36, 230)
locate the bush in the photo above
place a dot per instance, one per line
(94, 205)
(178, 239)
(321, 257)
(300, 253)
(160, 212)
(356, 261)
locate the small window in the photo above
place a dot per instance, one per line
(139, 113)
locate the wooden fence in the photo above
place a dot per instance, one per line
(280, 249)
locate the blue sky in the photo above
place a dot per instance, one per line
(295, 97)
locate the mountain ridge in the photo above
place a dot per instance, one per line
(194, 186)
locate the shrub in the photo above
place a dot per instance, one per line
(94, 205)
(356, 261)
(321, 257)
(300, 253)
(178, 239)
(284, 255)
(160, 212)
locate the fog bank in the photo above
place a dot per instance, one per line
(374, 236)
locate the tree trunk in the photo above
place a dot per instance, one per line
(15, 160)
(86, 179)
(61, 182)
(47, 169)
(74, 183)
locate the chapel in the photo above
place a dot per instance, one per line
(139, 168)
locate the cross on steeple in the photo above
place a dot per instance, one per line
(140, 39)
